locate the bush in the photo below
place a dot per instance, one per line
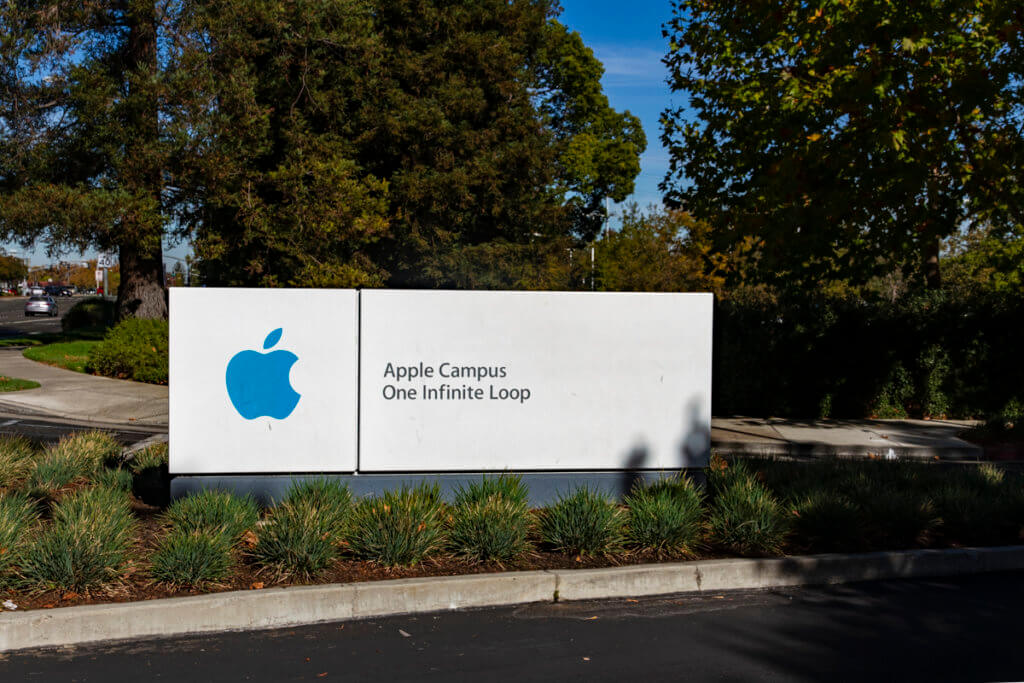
(331, 500)
(665, 518)
(398, 528)
(296, 540)
(747, 519)
(583, 523)
(74, 459)
(216, 512)
(134, 349)
(115, 478)
(92, 313)
(16, 454)
(148, 458)
(494, 529)
(17, 515)
(508, 486)
(84, 546)
(827, 521)
(191, 558)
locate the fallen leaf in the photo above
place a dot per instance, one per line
(590, 618)
(586, 659)
(70, 595)
(631, 600)
(321, 675)
(404, 634)
(256, 585)
(250, 539)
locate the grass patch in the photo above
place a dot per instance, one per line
(746, 518)
(17, 515)
(398, 528)
(507, 486)
(16, 454)
(665, 518)
(85, 545)
(191, 558)
(583, 523)
(218, 512)
(71, 355)
(15, 384)
(495, 529)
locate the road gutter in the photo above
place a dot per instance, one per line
(301, 605)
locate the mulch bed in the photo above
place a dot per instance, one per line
(136, 585)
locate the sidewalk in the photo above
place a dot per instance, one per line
(89, 398)
(80, 397)
(777, 437)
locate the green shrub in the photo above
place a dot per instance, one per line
(191, 558)
(149, 458)
(494, 529)
(296, 540)
(115, 478)
(16, 455)
(331, 500)
(92, 313)
(135, 349)
(17, 515)
(583, 523)
(665, 518)
(398, 527)
(508, 486)
(211, 511)
(827, 521)
(898, 518)
(746, 519)
(84, 546)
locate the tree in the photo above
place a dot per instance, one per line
(402, 142)
(12, 269)
(847, 136)
(87, 140)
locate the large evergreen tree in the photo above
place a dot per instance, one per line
(85, 141)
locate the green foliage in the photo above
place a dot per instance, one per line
(15, 384)
(134, 349)
(191, 558)
(76, 458)
(149, 458)
(116, 478)
(584, 523)
(491, 529)
(745, 518)
(17, 516)
(16, 453)
(398, 528)
(507, 486)
(922, 354)
(845, 137)
(72, 355)
(218, 512)
(330, 500)
(665, 517)
(89, 314)
(299, 538)
(84, 546)
(828, 522)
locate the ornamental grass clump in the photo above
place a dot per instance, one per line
(85, 545)
(214, 511)
(665, 518)
(398, 528)
(583, 523)
(192, 558)
(495, 529)
(18, 514)
(507, 486)
(16, 453)
(827, 521)
(76, 459)
(305, 532)
(745, 518)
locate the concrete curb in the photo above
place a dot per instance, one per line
(282, 607)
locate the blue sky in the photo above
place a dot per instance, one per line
(626, 38)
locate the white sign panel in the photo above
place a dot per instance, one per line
(471, 381)
(105, 260)
(263, 380)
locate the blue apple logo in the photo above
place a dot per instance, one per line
(258, 383)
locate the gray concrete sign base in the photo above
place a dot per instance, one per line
(282, 607)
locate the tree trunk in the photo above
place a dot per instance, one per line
(141, 293)
(932, 276)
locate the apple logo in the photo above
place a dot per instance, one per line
(258, 383)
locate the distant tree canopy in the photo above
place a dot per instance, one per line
(847, 136)
(12, 269)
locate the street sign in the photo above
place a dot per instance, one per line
(105, 260)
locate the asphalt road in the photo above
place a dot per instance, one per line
(964, 629)
(13, 322)
(46, 430)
